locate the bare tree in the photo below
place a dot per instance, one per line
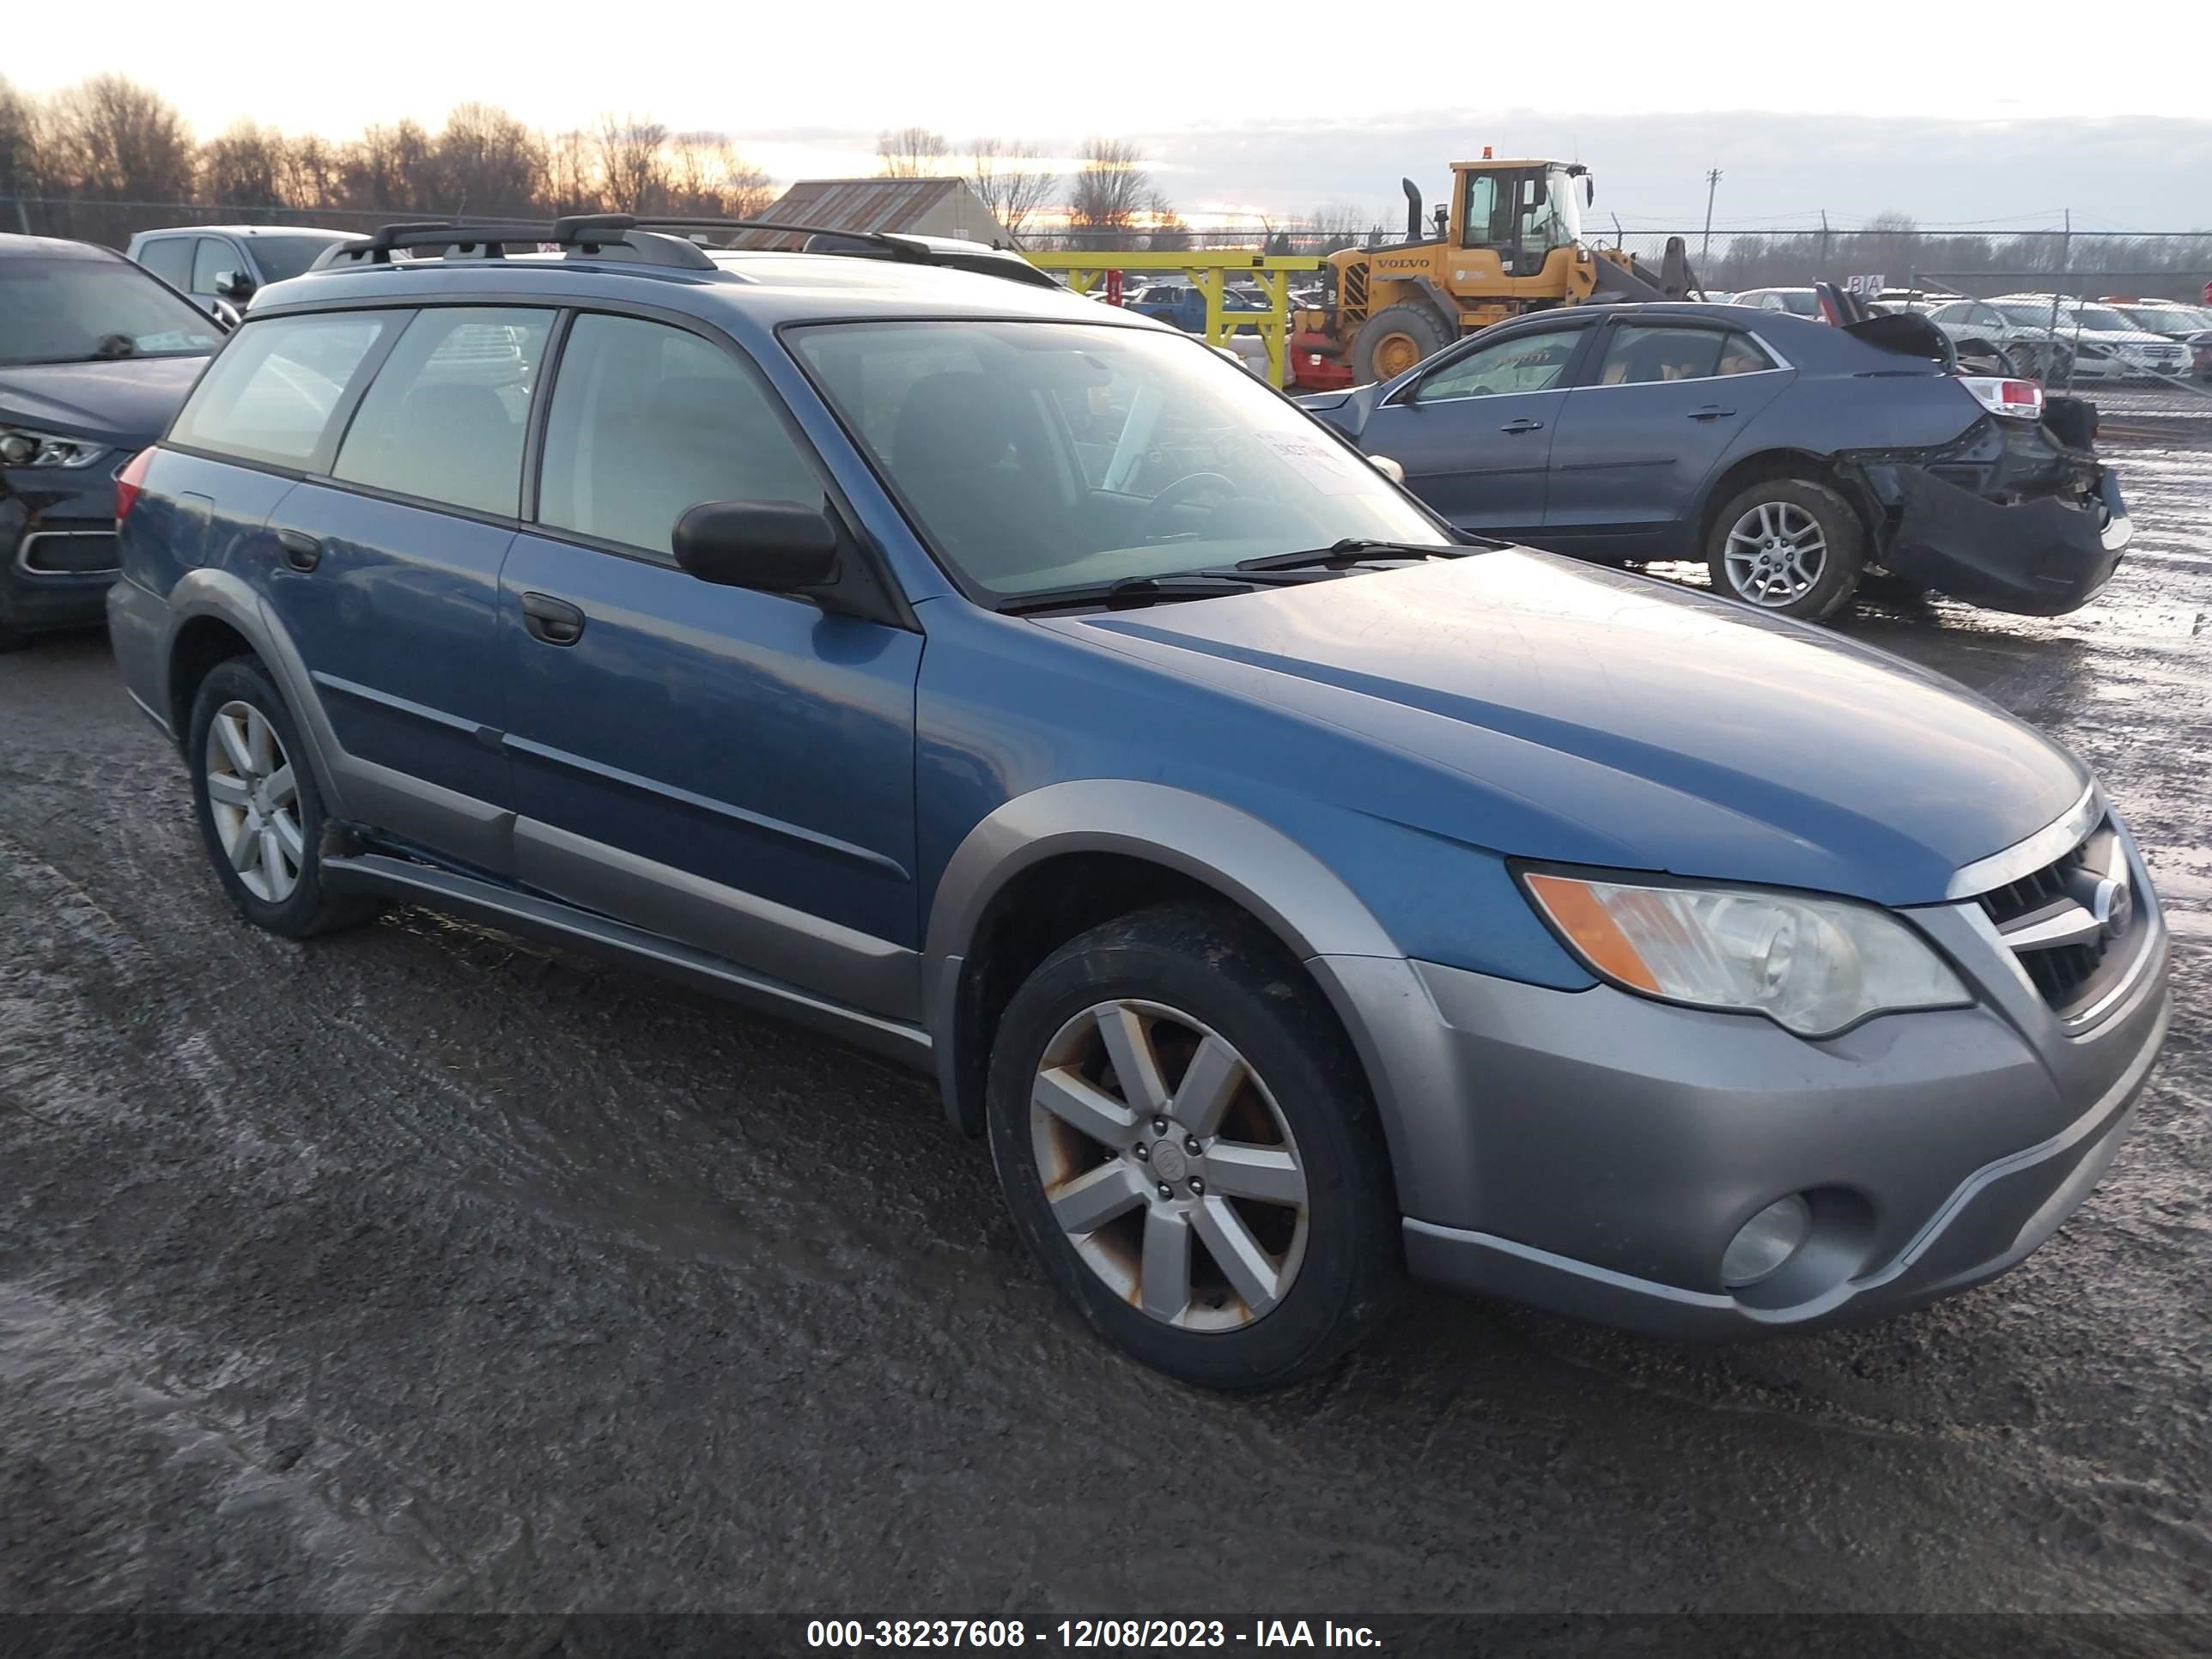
(243, 166)
(312, 172)
(911, 153)
(390, 168)
(708, 179)
(1011, 187)
(1106, 196)
(19, 145)
(632, 170)
(572, 184)
(1168, 234)
(488, 163)
(117, 141)
(1335, 225)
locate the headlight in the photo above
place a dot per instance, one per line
(23, 447)
(1813, 966)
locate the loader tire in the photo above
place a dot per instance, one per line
(1395, 339)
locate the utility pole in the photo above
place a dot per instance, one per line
(1712, 183)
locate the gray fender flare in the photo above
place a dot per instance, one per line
(1244, 859)
(218, 593)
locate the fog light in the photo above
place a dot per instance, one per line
(1767, 1240)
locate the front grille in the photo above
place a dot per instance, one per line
(68, 552)
(2076, 924)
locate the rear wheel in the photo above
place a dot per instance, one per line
(1187, 1143)
(1395, 339)
(260, 816)
(1788, 545)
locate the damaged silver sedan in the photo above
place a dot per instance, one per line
(1791, 456)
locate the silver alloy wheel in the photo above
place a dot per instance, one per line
(1775, 554)
(255, 801)
(1168, 1165)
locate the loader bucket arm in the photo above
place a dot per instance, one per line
(1634, 280)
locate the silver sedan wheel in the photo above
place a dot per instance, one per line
(1775, 554)
(255, 800)
(1168, 1165)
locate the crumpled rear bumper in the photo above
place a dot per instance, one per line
(2041, 558)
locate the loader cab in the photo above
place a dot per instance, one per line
(1519, 210)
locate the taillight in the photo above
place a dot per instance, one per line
(130, 481)
(2020, 398)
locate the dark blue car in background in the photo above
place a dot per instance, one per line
(1788, 456)
(95, 355)
(1292, 893)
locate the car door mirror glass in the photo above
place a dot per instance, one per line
(777, 547)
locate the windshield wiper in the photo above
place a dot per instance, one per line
(1150, 590)
(1355, 549)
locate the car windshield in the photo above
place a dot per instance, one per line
(76, 310)
(1039, 455)
(281, 257)
(2104, 319)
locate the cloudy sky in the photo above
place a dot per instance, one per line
(2010, 115)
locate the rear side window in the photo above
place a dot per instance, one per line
(1641, 356)
(445, 416)
(169, 257)
(648, 421)
(270, 396)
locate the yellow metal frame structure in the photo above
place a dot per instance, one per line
(1209, 272)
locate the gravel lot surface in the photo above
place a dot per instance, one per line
(424, 1269)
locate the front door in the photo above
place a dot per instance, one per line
(1637, 444)
(1474, 431)
(730, 768)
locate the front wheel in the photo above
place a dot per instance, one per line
(1788, 545)
(1187, 1143)
(1395, 339)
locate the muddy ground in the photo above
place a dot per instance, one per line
(426, 1269)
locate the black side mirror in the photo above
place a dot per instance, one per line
(233, 285)
(777, 547)
(1589, 191)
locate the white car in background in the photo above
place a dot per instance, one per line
(2106, 346)
(1797, 301)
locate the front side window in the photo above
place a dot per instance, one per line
(1039, 455)
(271, 395)
(446, 415)
(1527, 362)
(78, 310)
(647, 421)
(1641, 356)
(211, 261)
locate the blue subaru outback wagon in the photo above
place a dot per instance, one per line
(1295, 893)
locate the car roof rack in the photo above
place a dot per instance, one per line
(592, 233)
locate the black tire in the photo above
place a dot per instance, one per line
(308, 909)
(1408, 320)
(1843, 557)
(1216, 967)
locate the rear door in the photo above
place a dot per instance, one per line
(1666, 401)
(731, 768)
(388, 574)
(1474, 430)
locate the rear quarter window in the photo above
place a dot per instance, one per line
(271, 395)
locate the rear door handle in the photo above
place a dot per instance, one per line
(302, 550)
(557, 622)
(1710, 412)
(1524, 425)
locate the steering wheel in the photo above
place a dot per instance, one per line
(1156, 511)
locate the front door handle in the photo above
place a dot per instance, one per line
(557, 622)
(1710, 412)
(302, 550)
(1522, 425)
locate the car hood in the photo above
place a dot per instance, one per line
(128, 398)
(1542, 708)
